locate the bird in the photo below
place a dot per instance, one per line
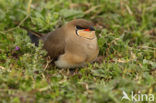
(72, 45)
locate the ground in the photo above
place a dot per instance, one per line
(126, 31)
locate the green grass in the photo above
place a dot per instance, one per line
(126, 31)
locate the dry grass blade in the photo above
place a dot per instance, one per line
(92, 9)
(22, 21)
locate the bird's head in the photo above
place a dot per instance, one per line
(83, 28)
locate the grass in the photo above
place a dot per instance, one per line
(126, 31)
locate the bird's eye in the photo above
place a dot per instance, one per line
(89, 28)
(79, 27)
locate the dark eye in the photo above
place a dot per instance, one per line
(91, 28)
(79, 27)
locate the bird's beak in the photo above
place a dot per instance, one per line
(91, 28)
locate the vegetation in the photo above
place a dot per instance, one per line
(126, 31)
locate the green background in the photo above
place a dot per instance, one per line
(126, 31)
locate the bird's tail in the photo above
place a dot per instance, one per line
(34, 36)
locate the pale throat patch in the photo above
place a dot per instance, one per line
(86, 34)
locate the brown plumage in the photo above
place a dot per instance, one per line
(74, 44)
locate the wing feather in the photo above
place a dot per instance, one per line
(54, 43)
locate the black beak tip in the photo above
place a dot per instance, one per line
(92, 28)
